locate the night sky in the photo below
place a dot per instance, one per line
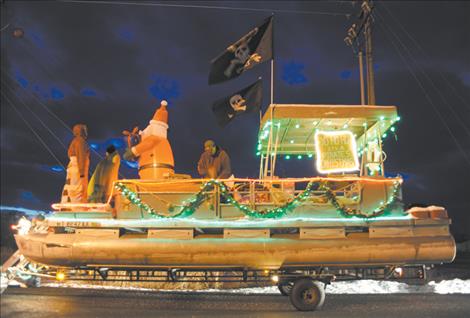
(109, 65)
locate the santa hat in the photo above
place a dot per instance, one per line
(161, 114)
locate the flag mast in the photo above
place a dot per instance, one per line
(269, 156)
(272, 60)
(272, 80)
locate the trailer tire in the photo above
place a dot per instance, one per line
(33, 282)
(307, 295)
(285, 288)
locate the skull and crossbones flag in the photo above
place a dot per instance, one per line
(252, 49)
(248, 100)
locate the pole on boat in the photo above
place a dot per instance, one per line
(270, 161)
(271, 154)
(272, 60)
(272, 80)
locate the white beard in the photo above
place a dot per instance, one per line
(156, 128)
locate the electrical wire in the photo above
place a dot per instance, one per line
(56, 117)
(424, 53)
(465, 155)
(6, 26)
(32, 130)
(35, 115)
(459, 120)
(51, 112)
(347, 15)
(33, 58)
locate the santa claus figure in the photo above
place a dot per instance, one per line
(154, 152)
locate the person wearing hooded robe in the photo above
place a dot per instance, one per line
(75, 188)
(102, 180)
(214, 162)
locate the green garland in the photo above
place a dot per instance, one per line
(190, 206)
(187, 210)
(269, 213)
(349, 212)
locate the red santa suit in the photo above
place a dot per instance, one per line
(154, 151)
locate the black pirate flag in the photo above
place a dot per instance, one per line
(247, 100)
(252, 49)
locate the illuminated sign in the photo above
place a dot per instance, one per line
(336, 151)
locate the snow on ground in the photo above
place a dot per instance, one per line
(454, 286)
(3, 282)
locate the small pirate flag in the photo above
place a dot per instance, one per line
(252, 49)
(247, 100)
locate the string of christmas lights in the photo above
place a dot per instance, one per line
(190, 206)
(349, 212)
(269, 213)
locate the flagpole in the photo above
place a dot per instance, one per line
(269, 156)
(272, 59)
(272, 81)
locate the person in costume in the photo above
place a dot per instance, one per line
(154, 152)
(214, 162)
(106, 172)
(75, 188)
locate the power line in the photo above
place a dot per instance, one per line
(422, 51)
(36, 116)
(32, 130)
(459, 120)
(51, 112)
(6, 26)
(51, 132)
(467, 159)
(153, 4)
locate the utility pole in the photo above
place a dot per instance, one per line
(367, 10)
(353, 39)
(361, 77)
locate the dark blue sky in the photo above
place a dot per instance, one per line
(106, 65)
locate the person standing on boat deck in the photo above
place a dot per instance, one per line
(214, 162)
(75, 188)
(106, 172)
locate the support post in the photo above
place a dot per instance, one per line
(369, 62)
(272, 81)
(361, 77)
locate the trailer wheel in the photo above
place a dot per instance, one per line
(285, 288)
(33, 282)
(307, 295)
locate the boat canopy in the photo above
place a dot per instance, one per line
(288, 129)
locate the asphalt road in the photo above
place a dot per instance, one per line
(62, 302)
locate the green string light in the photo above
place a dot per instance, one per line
(191, 205)
(348, 212)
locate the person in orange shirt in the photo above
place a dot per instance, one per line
(75, 188)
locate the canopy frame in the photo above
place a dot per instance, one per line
(289, 129)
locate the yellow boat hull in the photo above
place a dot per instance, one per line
(73, 250)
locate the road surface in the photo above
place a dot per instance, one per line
(67, 302)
